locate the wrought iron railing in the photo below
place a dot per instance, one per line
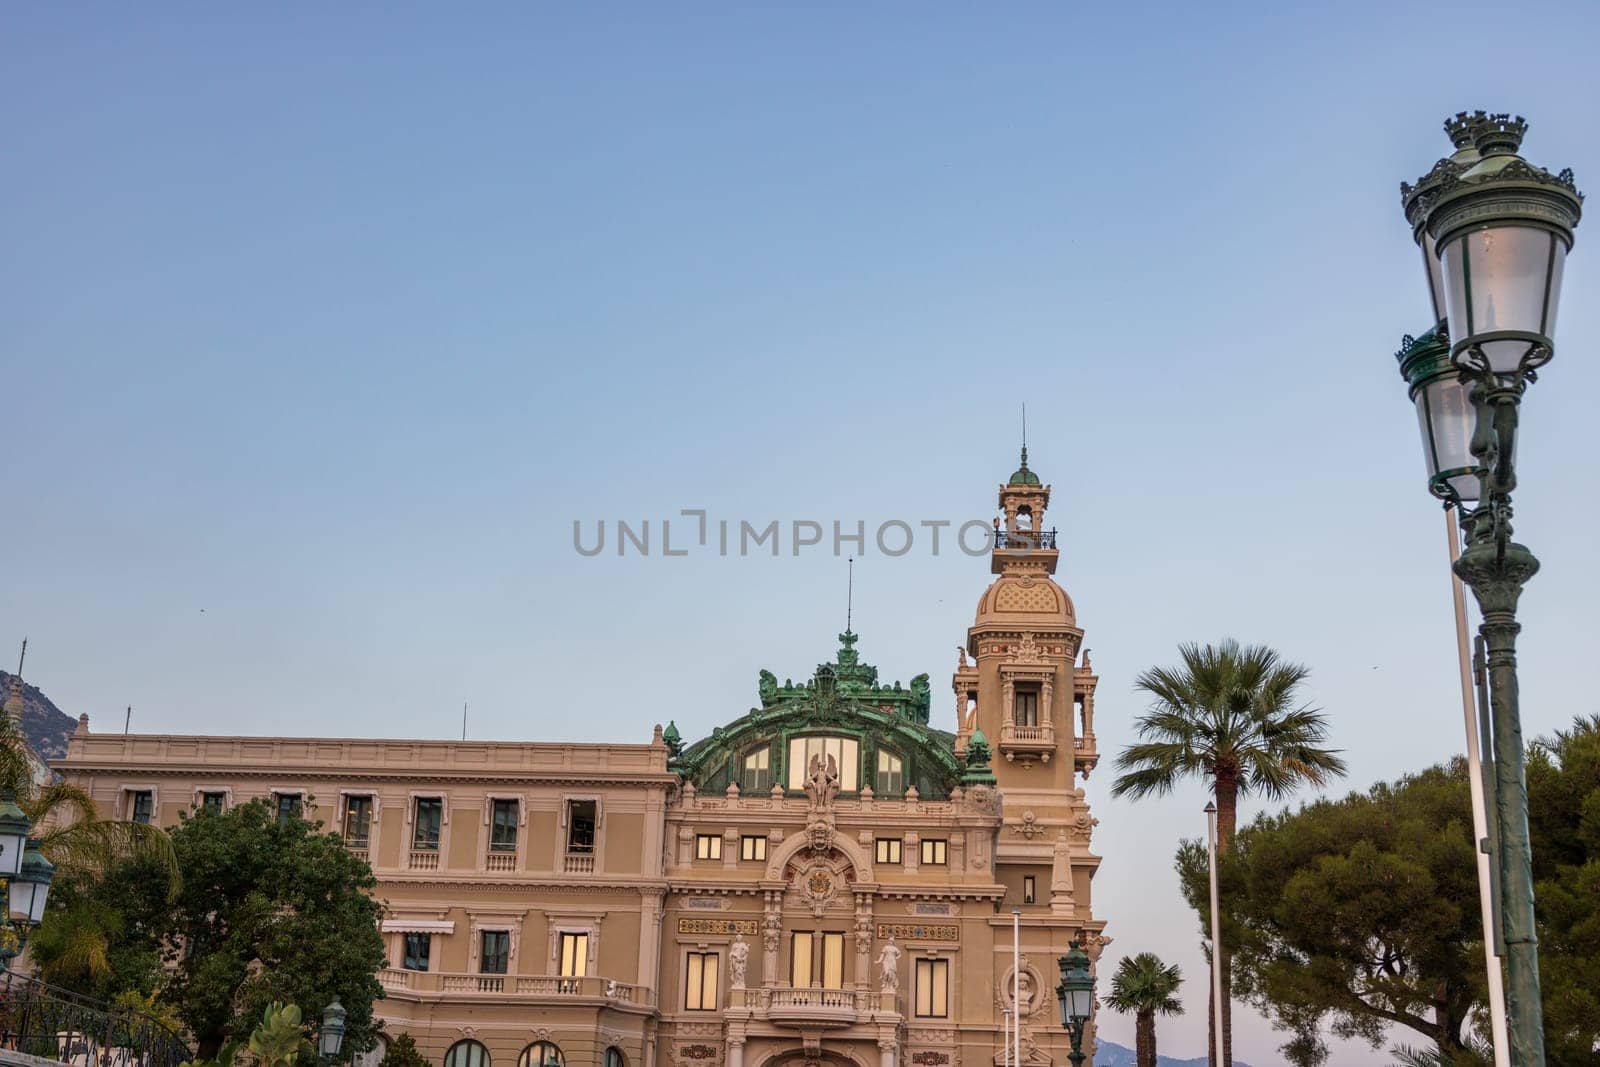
(54, 1024)
(1024, 539)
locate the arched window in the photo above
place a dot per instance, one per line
(891, 775)
(845, 753)
(614, 1057)
(467, 1053)
(540, 1054)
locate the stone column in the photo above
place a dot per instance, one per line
(735, 1053)
(650, 917)
(863, 940)
(771, 930)
(887, 1052)
(1008, 702)
(1045, 692)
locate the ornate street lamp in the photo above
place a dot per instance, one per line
(14, 827)
(25, 877)
(1075, 995)
(1500, 230)
(330, 1039)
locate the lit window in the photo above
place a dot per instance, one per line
(700, 982)
(752, 848)
(933, 989)
(429, 813)
(1027, 888)
(816, 958)
(540, 1054)
(844, 751)
(419, 947)
(1026, 704)
(935, 852)
(581, 819)
(494, 956)
(357, 827)
(891, 775)
(503, 826)
(467, 1054)
(144, 806)
(889, 850)
(757, 772)
(574, 961)
(708, 847)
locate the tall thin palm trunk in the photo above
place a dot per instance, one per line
(1144, 1039)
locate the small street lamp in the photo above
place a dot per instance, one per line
(1495, 231)
(330, 1039)
(1075, 995)
(25, 877)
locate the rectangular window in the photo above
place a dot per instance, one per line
(757, 777)
(891, 775)
(357, 828)
(752, 848)
(935, 852)
(213, 802)
(574, 955)
(144, 806)
(889, 850)
(418, 948)
(700, 982)
(933, 989)
(816, 958)
(503, 826)
(429, 816)
(833, 961)
(1027, 707)
(288, 807)
(581, 819)
(708, 847)
(802, 952)
(1027, 888)
(495, 952)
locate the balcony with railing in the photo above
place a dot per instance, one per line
(501, 861)
(429, 985)
(1025, 540)
(578, 863)
(423, 859)
(812, 1007)
(1028, 740)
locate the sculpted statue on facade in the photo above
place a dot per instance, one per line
(738, 959)
(889, 967)
(822, 781)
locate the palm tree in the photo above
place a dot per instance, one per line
(71, 948)
(1145, 986)
(1229, 713)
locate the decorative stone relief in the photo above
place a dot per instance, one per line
(1029, 827)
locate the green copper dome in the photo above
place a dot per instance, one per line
(1024, 476)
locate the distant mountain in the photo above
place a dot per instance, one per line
(1111, 1054)
(46, 726)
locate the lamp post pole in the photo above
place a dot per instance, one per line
(1495, 232)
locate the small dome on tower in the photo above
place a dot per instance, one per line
(1031, 600)
(1023, 475)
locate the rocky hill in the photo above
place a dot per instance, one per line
(46, 726)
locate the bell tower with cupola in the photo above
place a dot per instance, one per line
(1029, 687)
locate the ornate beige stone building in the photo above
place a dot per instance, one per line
(828, 879)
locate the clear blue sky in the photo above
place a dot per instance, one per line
(321, 327)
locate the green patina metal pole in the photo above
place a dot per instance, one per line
(1496, 568)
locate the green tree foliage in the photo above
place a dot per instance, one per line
(1232, 714)
(402, 1052)
(1362, 912)
(1564, 818)
(1146, 987)
(269, 911)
